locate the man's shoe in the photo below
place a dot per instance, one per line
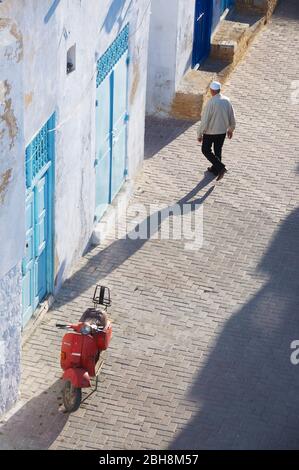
(211, 170)
(221, 174)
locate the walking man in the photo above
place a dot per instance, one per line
(217, 122)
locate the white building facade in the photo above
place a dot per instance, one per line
(180, 38)
(73, 89)
(170, 51)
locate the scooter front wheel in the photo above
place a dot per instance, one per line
(71, 396)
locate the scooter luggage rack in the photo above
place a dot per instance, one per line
(102, 296)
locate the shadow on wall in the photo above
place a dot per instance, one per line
(37, 424)
(59, 276)
(115, 15)
(248, 390)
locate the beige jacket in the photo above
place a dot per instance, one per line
(218, 116)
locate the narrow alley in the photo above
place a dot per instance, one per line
(200, 354)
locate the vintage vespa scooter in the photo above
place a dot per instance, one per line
(81, 349)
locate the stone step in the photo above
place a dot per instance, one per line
(193, 90)
(229, 40)
(265, 7)
(229, 43)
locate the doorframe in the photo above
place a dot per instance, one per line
(126, 118)
(109, 63)
(51, 200)
(210, 20)
(111, 111)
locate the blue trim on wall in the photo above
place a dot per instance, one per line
(113, 54)
(126, 175)
(111, 79)
(51, 199)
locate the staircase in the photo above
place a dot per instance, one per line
(228, 45)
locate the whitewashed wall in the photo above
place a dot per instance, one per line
(170, 51)
(185, 39)
(47, 34)
(162, 56)
(12, 183)
(10, 337)
(49, 28)
(12, 208)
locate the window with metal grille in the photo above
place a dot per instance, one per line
(38, 152)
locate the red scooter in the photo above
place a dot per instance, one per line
(81, 349)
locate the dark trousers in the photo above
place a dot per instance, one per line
(217, 140)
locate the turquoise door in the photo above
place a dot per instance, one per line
(111, 122)
(103, 146)
(119, 125)
(28, 260)
(41, 238)
(37, 266)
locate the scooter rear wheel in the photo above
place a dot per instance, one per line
(71, 396)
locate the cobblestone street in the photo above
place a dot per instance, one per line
(200, 355)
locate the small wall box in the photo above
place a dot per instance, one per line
(71, 59)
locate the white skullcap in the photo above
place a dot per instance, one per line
(215, 86)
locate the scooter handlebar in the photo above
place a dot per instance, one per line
(94, 328)
(61, 325)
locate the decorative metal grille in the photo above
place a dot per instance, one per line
(113, 54)
(37, 153)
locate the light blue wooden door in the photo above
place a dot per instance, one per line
(28, 261)
(103, 146)
(119, 125)
(111, 122)
(41, 239)
(37, 264)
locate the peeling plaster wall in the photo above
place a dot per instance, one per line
(12, 208)
(10, 337)
(49, 29)
(12, 186)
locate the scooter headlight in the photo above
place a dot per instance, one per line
(85, 330)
